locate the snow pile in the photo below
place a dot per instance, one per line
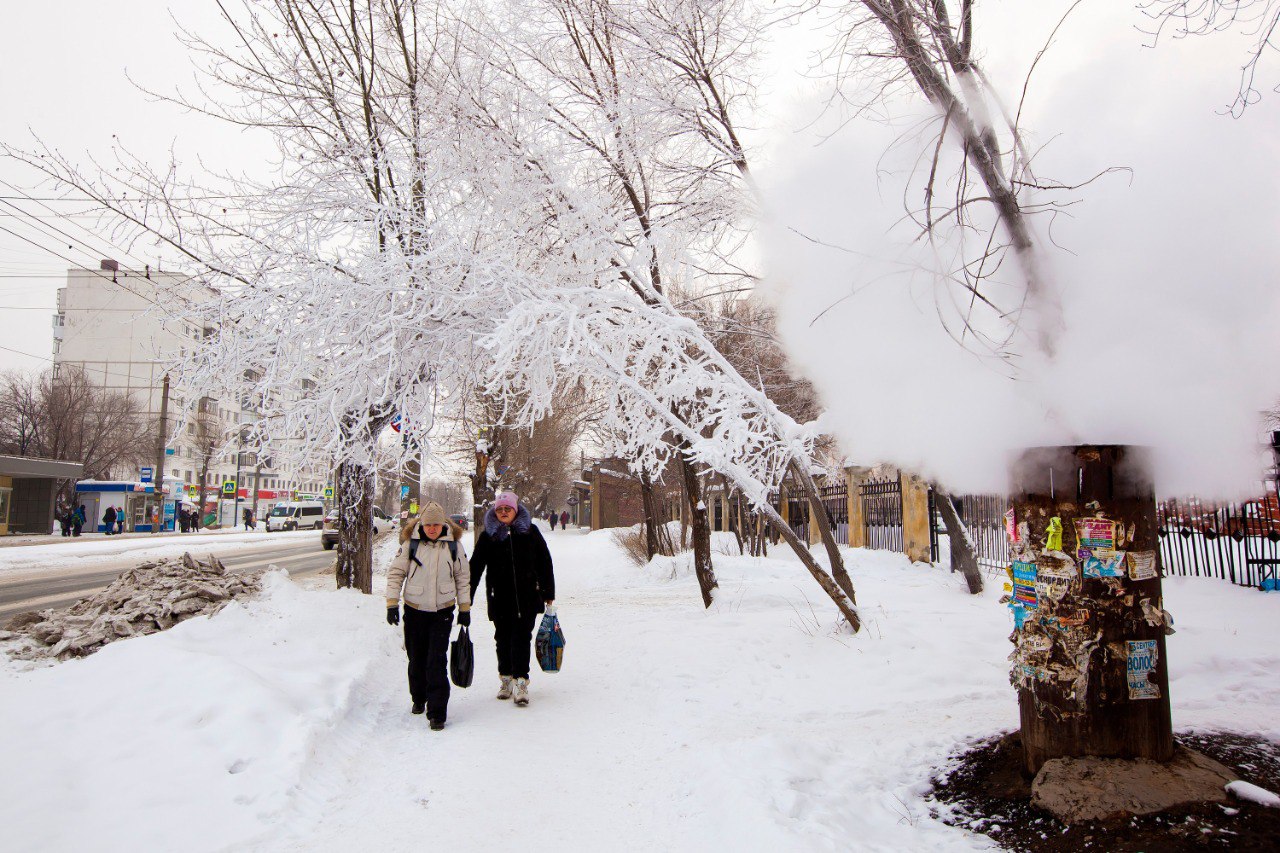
(1242, 790)
(152, 597)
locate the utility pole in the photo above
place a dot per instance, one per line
(235, 506)
(158, 482)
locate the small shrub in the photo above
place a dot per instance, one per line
(631, 541)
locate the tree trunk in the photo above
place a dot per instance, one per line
(479, 490)
(650, 523)
(816, 510)
(964, 557)
(845, 602)
(1090, 666)
(354, 566)
(700, 528)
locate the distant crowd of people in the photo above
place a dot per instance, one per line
(72, 520)
(563, 518)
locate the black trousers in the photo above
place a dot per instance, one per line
(514, 637)
(426, 641)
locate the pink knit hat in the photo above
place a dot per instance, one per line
(506, 499)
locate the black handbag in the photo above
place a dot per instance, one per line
(462, 659)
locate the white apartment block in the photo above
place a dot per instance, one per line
(120, 326)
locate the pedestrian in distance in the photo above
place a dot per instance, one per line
(119, 520)
(553, 518)
(79, 519)
(564, 520)
(64, 520)
(109, 520)
(430, 572)
(520, 586)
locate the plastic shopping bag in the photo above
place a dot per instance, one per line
(462, 659)
(549, 642)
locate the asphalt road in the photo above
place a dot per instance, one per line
(56, 587)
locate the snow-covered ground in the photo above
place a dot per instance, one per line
(284, 724)
(87, 552)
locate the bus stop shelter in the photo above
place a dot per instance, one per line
(28, 487)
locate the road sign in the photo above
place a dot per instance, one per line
(328, 492)
(169, 451)
(395, 423)
(193, 492)
(229, 488)
(147, 473)
(572, 500)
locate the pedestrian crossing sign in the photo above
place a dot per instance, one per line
(229, 487)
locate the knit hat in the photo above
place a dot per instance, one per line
(508, 499)
(433, 513)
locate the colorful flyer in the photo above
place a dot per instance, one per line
(1093, 534)
(1053, 536)
(1011, 526)
(1142, 656)
(1103, 563)
(1142, 565)
(1024, 584)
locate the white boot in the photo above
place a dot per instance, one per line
(522, 691)
(504, 692)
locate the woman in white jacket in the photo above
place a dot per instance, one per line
(431, 572)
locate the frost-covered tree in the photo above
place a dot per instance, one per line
(638, 197)
(354, 274)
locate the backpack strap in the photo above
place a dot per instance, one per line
(413, 550)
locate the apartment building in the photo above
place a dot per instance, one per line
(120, 326)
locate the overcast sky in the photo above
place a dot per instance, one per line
(1167, 277)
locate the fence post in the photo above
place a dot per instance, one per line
(855, 477)
(915, 519)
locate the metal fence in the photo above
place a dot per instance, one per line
(882, 513)
(835, 500)
(983, 515)
(1239, 543)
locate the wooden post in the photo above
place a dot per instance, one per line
(915, 519)
(855, 477)
(1090, 666)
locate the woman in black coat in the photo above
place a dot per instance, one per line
(520, 586)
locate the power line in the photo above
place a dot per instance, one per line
(98, 273)
(42, 224)
(27, 354)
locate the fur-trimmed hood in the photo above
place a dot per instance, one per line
(499, 531)
(413, 529)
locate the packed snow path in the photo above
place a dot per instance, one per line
(285, 725)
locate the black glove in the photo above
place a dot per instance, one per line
(393, 615)
(464, 618)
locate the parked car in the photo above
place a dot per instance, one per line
(329, 534)
(461, 520)
(296, 516)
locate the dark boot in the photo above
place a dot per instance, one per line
(436, 725)
(419, 707)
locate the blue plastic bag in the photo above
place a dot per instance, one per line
(549, 642)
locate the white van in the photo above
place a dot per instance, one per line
(299, 515)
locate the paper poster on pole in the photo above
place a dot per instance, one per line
(1094, 534)
(1142, 565)
(1024, 584)
(1102, 563)
(1142, 656)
